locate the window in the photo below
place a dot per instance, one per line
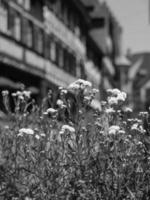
(27, 4)
(59, 55)
(3, 17)
(65, 14)
(29, 34)
(47, 46)
(72, 21)
(57, 7)
(77, 26)
(52, 4)
(17, 27)
(66, 60)
(39, 41)
(53, 50)
(11, 15)
(20, 2)
(14, 24)
(73, 65)
(80, 70)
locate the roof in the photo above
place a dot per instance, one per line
(142, 71)
(89, 2)
(99, 9)
(81, 7)
(122, 61)
(98, 36)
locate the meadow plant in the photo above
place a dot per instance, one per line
(72, 151)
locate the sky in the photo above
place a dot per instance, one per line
(134, 17)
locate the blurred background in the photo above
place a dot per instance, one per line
(45, 44)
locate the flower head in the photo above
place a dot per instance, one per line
(109, 110)
(5, 92)
(26, 131)
(60, 103)
(67, 128)
(114, 129)
(80, 84)
(27, 94)
(115, 96)
(51, 111)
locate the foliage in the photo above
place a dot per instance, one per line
(72, 151)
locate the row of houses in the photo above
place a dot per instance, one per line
(48, 43)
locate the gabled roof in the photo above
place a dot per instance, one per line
(98, 10)
(141, 64)
(81, 7)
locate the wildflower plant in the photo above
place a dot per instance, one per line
(70, 150)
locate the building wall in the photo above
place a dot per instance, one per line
(43, 38)
(48, 40)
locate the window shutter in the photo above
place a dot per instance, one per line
(17, 27)
(11, 21)
(46, 46)
(53, 50)
(27, 4)
(23, 29)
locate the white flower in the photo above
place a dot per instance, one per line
(67, 128)
(121, 96)
(27, 131)
(127, 109)
(115, 91)
(95, 91)
(6, 127)
(109, 110)
(37, 137)
(60, 103)
(74, 86)
(51, 111)
(42, 135)
(84, 83)
(143, 114)
(121, 132)
(14, 94)
(116, 96)
(28, 198)
(27, 93)
(112, 101)
(135, 126)
(5, 92)
(21, 97)
(113, 129)
(79, 84)
(18, 93)
(87, 99)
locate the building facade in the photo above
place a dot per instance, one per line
(139, 81)
(45, 44)
(105, 33)
(43, 40)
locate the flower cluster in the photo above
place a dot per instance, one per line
(51, 112)
(115, 96)
(68, 128)
(80, 85)
(60, 104)
(22, 95)
(113, 130)
(27, 131)
(65, 149)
